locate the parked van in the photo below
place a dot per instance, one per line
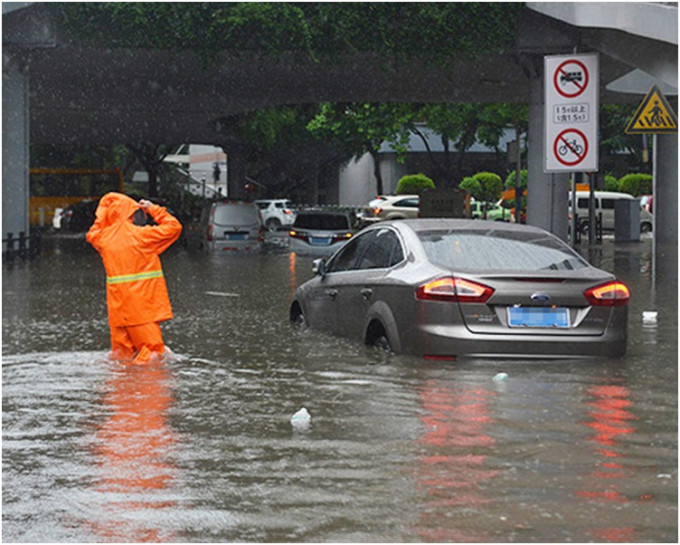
(605, 203)
(228, 225)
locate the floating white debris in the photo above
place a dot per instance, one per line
(649, 316)
(301, 419)
(500, 377)
(222, 294)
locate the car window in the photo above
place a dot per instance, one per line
(409, 203)
(608, 204)
(496, 250)
(582, 202)
(384, 251)
(235, 214)
(348, 258)
(326, 222)
(262, 205)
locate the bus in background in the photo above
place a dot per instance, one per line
(55, 189)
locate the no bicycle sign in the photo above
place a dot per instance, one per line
(571, 113)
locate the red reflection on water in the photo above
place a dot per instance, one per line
(610, 419)
(132, 450)
(452, 472)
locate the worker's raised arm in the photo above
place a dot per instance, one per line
(159, 238)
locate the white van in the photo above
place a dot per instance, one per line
(605, 203)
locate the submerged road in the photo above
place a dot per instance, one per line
(201, 447)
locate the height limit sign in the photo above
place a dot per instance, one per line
(571, 113)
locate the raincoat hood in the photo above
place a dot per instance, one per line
(114, 208)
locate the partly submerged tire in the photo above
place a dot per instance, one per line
(382, 343)
(297, 317)
(273, 225)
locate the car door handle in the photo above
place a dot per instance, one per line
(331, 293)
(366, 293)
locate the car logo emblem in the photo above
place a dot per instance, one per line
(540, 297)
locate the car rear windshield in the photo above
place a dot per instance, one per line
(235, 214)
(325, 222)
(492, 251)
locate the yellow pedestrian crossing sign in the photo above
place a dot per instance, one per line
(654, 115)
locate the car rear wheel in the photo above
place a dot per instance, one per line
(382, 343)
(273, 225)
(377, 337)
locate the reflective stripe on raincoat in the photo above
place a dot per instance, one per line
(136, 292)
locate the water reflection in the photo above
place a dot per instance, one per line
(133, 450)
(609, 417)
(451, 472)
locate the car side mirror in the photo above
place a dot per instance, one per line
(319, 267)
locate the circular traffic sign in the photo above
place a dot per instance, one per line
(571, 78)
(570, 147)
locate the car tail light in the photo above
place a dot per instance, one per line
(287, 212)
(611, 294)
(209, 234)
(377, 211)
(340, 238)
(449, 288)
(295, 234)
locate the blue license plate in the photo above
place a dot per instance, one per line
(237, 236)
(319, 241)
(538, 317)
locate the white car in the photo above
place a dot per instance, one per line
(605, 202)
(276, 213)
(392, 207)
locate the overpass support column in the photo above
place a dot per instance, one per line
(666, 208)
(547, 193)
(15, 150)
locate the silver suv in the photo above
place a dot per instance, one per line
(276, 213)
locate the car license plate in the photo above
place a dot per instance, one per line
(319, 241)
(236, 236)
(538, 317)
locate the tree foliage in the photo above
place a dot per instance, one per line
(319, 30)
(414, 184)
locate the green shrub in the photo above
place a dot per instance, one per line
(471, 186)
(610, 183)
(510, 180)
(491, 186)
(412, 184)
(636, 184)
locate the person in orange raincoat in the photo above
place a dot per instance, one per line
(136, 294)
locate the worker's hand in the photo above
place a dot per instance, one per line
(144, 204)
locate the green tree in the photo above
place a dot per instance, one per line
(361, 128)
(491, 186)
(472, 187)
(413, 184)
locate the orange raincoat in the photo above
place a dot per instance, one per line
(136, 294)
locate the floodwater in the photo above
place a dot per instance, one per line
(201, 448)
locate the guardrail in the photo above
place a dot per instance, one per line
(21, 247)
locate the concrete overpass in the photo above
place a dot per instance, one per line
(58, 92)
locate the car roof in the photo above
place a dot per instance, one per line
(611, 194)
(323, 212)
(424, 224)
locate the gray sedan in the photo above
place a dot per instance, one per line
(441, 288)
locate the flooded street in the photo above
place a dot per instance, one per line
(201, 448)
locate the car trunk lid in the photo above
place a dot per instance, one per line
(543, 305)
